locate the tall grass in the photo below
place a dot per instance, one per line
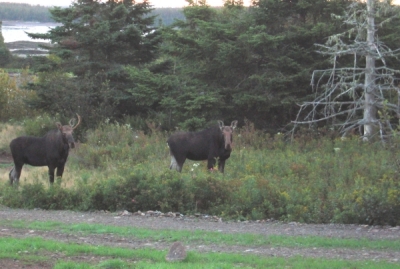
(314, 179)
(7, 131)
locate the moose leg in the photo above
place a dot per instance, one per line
(51, 174)
(14, 174)
(221, 165)
(60, 170)
(211, 163)
(176, 163)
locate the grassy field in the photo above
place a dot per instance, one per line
(315, 178)
(57, 254)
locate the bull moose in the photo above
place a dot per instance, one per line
(209, 144)
(50, 150)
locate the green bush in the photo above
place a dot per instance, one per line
(39, 125)
(313, 180)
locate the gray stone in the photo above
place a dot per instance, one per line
(177, 252)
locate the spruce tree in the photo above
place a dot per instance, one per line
(5, 54)
(94, 43)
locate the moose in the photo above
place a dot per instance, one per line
(209, 144)
(50, 150)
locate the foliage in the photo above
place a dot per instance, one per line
(24, 12)
(39, 125)
(13, 98)
(241, 62)
(313, 179)
(93, 43)
(215, 63)
(5, 54)
(109, 61)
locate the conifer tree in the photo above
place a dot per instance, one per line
(95, 42)
(5, 54)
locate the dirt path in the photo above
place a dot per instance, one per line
(205, 224)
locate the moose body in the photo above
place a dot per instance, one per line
(50, 150)
(209, 144)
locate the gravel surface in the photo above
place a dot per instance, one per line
(205, 223)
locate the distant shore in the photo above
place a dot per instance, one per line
(25, 48)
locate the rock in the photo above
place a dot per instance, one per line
(125, 213)
(177, 252)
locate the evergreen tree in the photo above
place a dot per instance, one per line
(5, 55)
(252, 63)
(95, 41)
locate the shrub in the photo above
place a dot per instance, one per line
(39, 125)
(13, 98)
(314, 180)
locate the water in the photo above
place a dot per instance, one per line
(15, 30)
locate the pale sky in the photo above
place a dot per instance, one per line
(155, 3)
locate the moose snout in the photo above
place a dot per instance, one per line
(228, 146)
(71, 142)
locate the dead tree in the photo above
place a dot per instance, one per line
(362, 95)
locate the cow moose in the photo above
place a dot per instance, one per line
(50, 150)
(209, 144)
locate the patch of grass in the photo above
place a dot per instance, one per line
(210, 237)
(149, 258)
(313, 179)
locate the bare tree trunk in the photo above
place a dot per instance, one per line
(369, 84)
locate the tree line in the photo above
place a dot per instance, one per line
(112, 61)
(38, 13)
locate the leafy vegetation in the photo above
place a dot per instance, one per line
(130, 80)
(5, 55)
(230, 63)
(312, 179)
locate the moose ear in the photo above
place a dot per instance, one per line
(221, 124)
(233, 124)
(59, 126)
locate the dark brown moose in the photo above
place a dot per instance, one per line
(209, 144)
(50, 150)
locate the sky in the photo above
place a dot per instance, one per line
(155, 3)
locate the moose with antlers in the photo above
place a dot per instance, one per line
(50, 150)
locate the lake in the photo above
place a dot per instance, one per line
(15, 30)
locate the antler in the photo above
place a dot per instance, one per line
(79, 121)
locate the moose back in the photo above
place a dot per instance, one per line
(209, 144)
(50, 150)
